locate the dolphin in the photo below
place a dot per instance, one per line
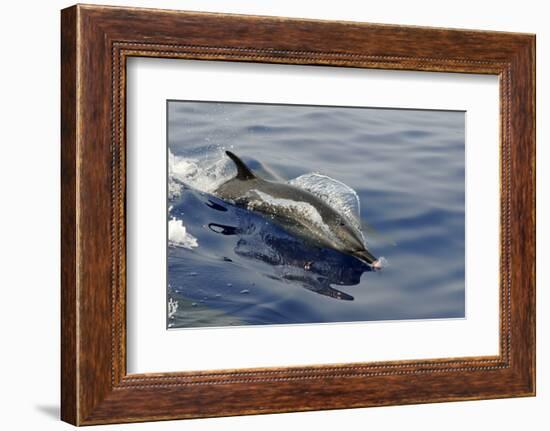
(296, 210)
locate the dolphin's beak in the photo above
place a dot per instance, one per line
(367, 257)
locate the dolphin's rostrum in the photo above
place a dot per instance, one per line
(296, 210)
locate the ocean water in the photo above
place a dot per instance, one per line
(229, 266)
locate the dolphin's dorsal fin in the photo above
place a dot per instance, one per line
(243, 172)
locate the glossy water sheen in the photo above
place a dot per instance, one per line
(407, 167)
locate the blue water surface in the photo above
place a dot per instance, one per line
(407, 166)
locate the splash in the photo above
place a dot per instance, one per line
(178, 235)
(383, 262)
(204, 173)
(338, 195)
(172, 307)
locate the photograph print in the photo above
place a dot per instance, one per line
(298, 214)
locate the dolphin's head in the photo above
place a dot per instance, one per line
(367, 257)
(352, 242)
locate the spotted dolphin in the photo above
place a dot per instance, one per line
(296, 210)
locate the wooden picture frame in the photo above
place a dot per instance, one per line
(95, 43)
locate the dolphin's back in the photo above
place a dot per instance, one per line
(248, 192)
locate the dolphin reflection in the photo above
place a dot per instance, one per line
(295, 261)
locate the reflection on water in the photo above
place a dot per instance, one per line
(293, 259)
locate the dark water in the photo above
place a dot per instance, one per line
(407, 168)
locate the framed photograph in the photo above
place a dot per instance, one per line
(265, 214)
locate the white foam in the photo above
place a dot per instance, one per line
(172, 307)
(178, 235)
(205, 173)
(381, 263)
(179, 169)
